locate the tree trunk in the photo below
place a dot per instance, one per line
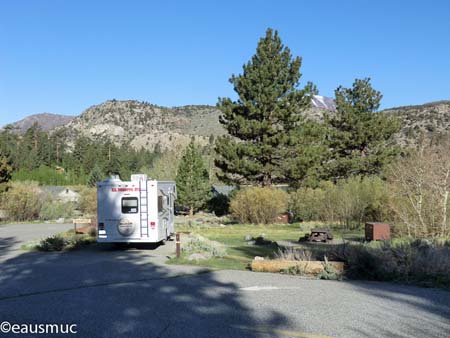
(267, 180)
(191, 211)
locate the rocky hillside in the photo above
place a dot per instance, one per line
(146, 125)
(142, 124)
(429, 119)
(46, 121)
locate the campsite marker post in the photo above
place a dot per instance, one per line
(178, 244)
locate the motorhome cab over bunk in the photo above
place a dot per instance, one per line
(140, 210)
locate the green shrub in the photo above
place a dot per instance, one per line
(329, 272)
(293, 270)
(359, 199)
(199, 244)
(65, 241)
(53, 243)
(307, 204)
(54, 210)
(258, 205)
(77, 241)
(350, 202)
(22, 201)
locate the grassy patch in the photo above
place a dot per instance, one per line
(239, 252)
(233, 235)
(227, 262)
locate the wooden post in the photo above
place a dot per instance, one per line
(178, 244)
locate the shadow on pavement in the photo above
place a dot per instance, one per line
(123, 294)
(7, 244)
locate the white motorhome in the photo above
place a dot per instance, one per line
(140, 210)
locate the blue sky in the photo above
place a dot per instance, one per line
(64, 56)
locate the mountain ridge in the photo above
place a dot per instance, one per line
(144, 125)
(46, 121)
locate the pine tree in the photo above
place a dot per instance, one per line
(263, 123)
(112, 164)
(303, 161)
(5, 169)
(29, 148)
(8, 144)
(193, 188)
(95, 176)
(360, 138)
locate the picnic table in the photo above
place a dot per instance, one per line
(320, 235)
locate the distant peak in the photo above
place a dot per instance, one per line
(319, 101)
(46, 121)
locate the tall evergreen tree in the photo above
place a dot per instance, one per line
(5, 169)
(193, 188)
(95, 176)
(111, 155)
(360, 138)
(8, 144)
(263, 123)
(303, 160)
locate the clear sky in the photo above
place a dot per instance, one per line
(64, 56)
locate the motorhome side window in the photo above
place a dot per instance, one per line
(160, 203)
(129, 205)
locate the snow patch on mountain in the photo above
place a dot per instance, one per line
(319, 101)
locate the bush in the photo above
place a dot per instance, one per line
(350, 202)
(292, 254)
(53, 243)
(77, 241)
(424, 262)
(258, 205)
(87, 202)
(65, 241)
(54, 210)
(307, 204)
(199, 244)
(329, 272)
(22, 201)
(357, 200)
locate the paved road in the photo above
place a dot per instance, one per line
(132, 293)
(12, 237)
